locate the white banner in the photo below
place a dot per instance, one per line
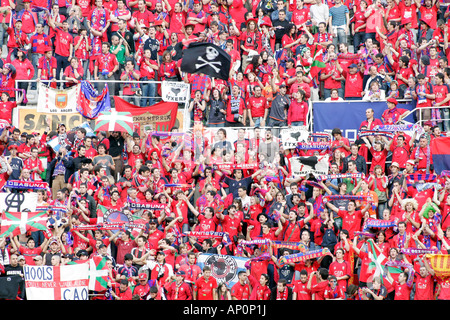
(18, 202)
(291, 137)
(68, 282)
(223, 268)
(175, 91)
(57, 101)
(303, 166)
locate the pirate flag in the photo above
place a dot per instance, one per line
(207, 58)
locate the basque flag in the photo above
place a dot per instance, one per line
(440, 149)
(207, 58)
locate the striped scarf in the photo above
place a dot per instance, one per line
(303, 256)
(323, 177)
(378, 223)
(418, 251)
(400, 264)
(411, 178)
(373, 133)
(348, 197)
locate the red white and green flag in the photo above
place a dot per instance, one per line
(15, 223)
(317, 63)
(114, 121)
(379, 261)
(98, 274)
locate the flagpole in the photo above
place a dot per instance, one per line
(186, 114)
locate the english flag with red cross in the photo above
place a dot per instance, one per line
(68, 282)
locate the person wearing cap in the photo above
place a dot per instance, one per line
(178, 289)
(82, 256)
(409, 29)
(395, 177)
(37, 260)
(333, 291)
(142, 289)
(393, 114)
(55, 250)
(354, 78)
(17, 39)
(159, 269)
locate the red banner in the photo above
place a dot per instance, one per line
(158, 117)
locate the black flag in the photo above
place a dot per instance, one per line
(207, 58)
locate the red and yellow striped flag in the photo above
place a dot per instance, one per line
(440, 263)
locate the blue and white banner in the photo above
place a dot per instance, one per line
(224, 268)
(348, 116)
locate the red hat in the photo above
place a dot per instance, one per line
(392, 100)
(252, 19)
(13, 146)
(142, 276)
(176, 161)
(268, 24)
(158, 23)
(406, 21)
(428, 123)
(187, 24)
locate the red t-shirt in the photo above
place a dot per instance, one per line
(402, 291)
(204, 288)
(300, 288)
(63, 40)
(353, 84)
(257, 106)
(351, 222)
(6, 110)
(106, 62)
(240, 292)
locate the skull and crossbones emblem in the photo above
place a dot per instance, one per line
(211, 54)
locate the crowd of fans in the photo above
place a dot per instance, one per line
(236, 182)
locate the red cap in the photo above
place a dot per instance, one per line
(13, 146)
(392, 100)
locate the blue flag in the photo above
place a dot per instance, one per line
(90, 103)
